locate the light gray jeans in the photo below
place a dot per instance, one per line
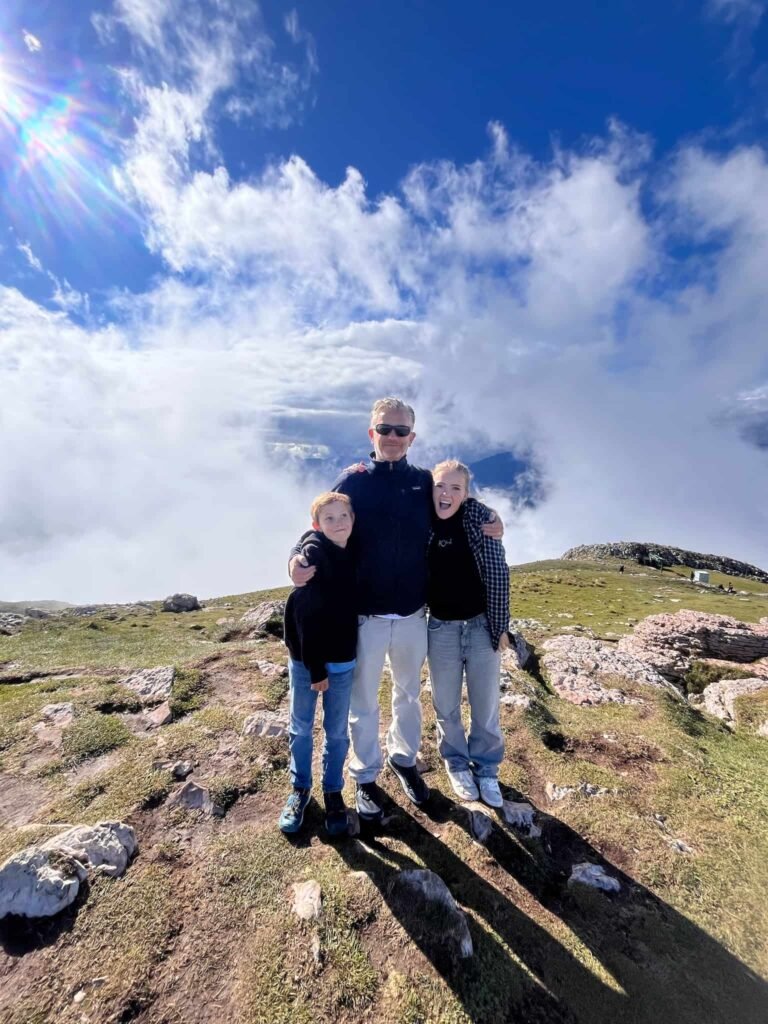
(456, 647)
(404, 642)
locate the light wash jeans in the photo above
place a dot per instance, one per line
(335, 724)
(456, 647)
(404, 642)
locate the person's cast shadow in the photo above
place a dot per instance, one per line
(664, 969)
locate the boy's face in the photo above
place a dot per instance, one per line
(335, 522)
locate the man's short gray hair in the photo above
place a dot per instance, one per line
(391, 404)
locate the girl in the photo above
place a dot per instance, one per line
(468, 598)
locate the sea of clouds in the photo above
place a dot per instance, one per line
(601, 314)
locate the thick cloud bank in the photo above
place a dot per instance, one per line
(602, 313)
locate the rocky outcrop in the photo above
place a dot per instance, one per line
(191, 797)
(719, 698)
(266, 619)
(151, 685)
(181, 603)
(10, 623)
(42, 880)
(265, 723)
(629, 551)
(586, 671)
(670, 643)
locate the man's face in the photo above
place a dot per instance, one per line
(389, 447)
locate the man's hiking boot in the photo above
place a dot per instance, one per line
(414, 787)
(369, 801)
(335, 814)
(293, 812)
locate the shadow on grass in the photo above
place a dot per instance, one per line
(664, 967)
(22, 935)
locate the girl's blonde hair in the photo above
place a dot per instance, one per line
(454, 466)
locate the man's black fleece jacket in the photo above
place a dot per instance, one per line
(321, 617)
(392, 502)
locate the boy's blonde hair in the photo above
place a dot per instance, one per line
(454, 466)
(327, 499)
(391, 404)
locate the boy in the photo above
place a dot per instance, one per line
(321, 636)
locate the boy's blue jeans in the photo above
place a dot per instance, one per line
(335, 724)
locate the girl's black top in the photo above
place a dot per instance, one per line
(455, 588)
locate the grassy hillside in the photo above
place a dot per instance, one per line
(200, 928)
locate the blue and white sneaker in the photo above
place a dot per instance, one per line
(293, 812)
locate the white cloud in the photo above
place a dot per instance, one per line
(26, 250)
(602, 312)
(31, 42)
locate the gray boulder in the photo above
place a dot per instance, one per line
(181, 603)
(265, 723)
(42, 880)
(10, 623)
(151, 685)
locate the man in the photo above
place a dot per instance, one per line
(392, 502)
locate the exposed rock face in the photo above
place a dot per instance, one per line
(11, 623)
(578, 668)
(555, 792)
(271, 669)
(58, 714)
(42, 880)
(521, 815)
(517, 654)
(265, 723)
(161, 715)
(181, 603)
(669, 643)
(430, 902)
(480, 824)
(266, 619)
(629, 551)
(151, 685)
(719, 698)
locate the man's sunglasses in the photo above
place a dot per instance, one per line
(387, 428)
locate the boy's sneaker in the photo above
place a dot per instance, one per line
(464, 785)
(490, 793)
(335, 814)
(369, 801)
(414, 787)
(293, 812)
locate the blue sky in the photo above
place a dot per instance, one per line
(226, 227)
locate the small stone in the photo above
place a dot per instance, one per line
(161, 715)
(594, 876)
(307, 900)
(424, 892)
(181, 769)
(272, 670)
(192, 797)
(480, 825)
(515, 700)
(679, 846)
(518, 814)
(79, 996)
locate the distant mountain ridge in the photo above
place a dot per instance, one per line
(630, 550)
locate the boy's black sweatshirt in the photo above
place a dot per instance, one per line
(321, 617)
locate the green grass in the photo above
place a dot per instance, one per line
(187, 692)
(93, 734)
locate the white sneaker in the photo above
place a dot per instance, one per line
(463, 785)
(490, 793)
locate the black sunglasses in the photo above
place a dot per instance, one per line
(387, 428)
